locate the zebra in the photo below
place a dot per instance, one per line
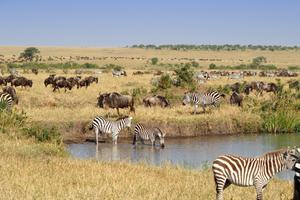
(206, 99)
(143, 133)
(296, 168)
(111, 127)
(119, 73)
(230, 169)
(6, 101)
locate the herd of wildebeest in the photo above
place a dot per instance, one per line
(117, 100)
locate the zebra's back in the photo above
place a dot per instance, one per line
(210, 98)
(104, 125)
(144, 132)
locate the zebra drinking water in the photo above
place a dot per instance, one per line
(141, 132)
(111, 127)
(206, 99)
(257, 172)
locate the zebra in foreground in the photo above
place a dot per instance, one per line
(8, 97)
(296, 168)
(6, 101)
(103, 125)
(257, 172)
(206, 99)
(141, 132)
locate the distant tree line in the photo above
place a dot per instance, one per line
(225, 47)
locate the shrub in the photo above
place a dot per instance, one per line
(294, 68)
(12, 122)
(185, 76)
(283, 121)
(43, 134)
(154, 61)
(212, 66)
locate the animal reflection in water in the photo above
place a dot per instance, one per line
(114, 156)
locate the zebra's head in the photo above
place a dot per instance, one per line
(290, 157)
(161, 136)
(186, 99)
(128, 121)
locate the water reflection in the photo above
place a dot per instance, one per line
(187, 152)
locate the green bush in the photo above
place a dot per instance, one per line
(283, 121)
(154, 61)
(43, 134)
(12, 122)
(185, 77)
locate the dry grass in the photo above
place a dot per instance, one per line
(76, 106)
(29, 171)
(133, 56)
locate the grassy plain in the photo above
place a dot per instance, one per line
(35, 170)
(71, 111)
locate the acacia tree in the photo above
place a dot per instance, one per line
(29, 53)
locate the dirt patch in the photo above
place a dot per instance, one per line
(78, 132)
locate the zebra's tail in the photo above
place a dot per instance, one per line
(91, 127)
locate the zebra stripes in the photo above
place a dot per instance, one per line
(206, 99)
(6, 100)
(111, 127)
(144, 134)
(230, 169)
(297, 181)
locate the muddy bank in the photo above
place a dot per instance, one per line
(78, 132)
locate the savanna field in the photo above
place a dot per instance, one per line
(34, 163)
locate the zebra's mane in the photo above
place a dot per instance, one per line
(124, 117)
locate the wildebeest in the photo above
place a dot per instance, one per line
(21, 81)
(116, 100)
(62, 84)
(74, 80)
(156, 100)
(83, 83)
(92, 79)
(10, 90)
(59, 78)
(3, 81)
(236, 98)
(138, 73)
(35, 71)
(269, 87)
(49, 80)
(9, 78)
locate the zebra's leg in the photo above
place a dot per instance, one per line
(220, 186)
(203, 107)
(97, 136)
(195, 109)
(259, 191)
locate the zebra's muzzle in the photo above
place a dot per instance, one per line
(162, 145)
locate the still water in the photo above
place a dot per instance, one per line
(191, 153)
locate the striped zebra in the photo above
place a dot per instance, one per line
(257, 172)
(6, 101)
(103, 125)
(296, 168)
(206, 99)
(142, 133)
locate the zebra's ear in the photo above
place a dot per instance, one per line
(285, 154)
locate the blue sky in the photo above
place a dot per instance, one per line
(119, 22)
